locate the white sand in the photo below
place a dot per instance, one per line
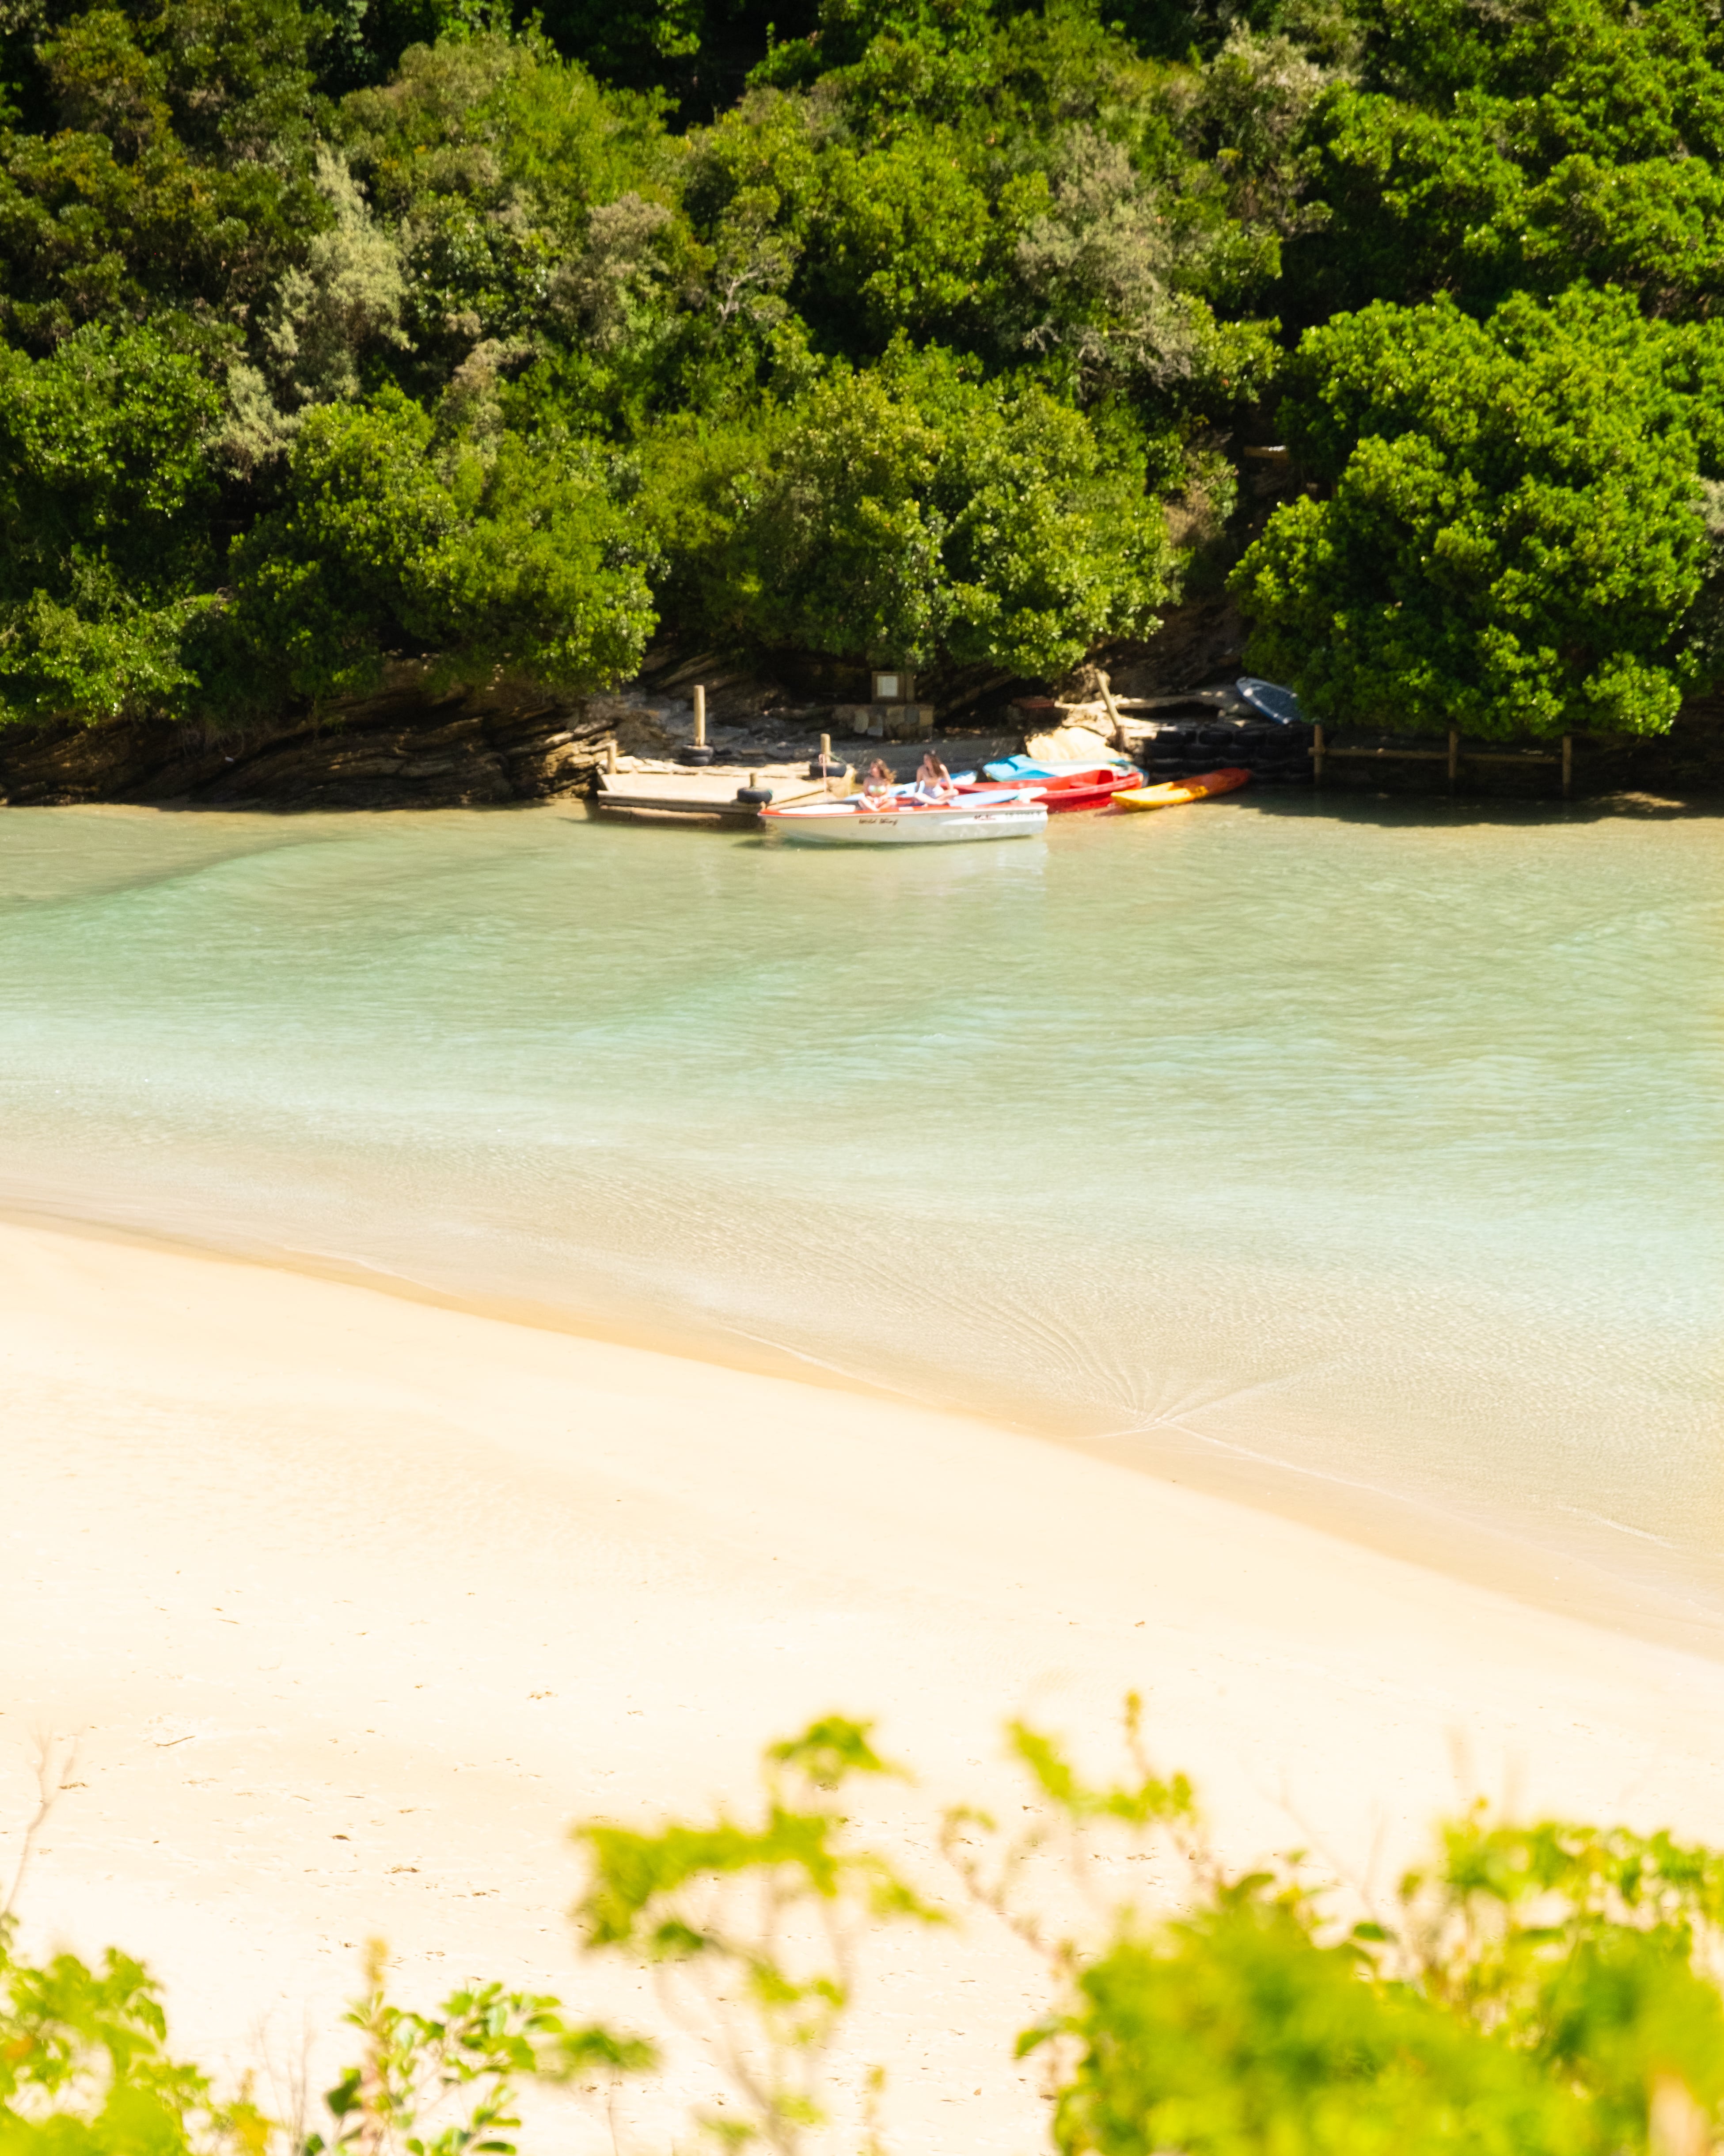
(353, 1604)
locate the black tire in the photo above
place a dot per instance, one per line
(696, 756)
(757, 797)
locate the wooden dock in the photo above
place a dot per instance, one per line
(665, 794)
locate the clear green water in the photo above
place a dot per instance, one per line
(1379, 1142)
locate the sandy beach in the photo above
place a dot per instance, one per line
(341, 1607)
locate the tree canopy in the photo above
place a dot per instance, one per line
(920, 329)
(1509, 521)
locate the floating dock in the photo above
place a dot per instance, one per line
(665, 794)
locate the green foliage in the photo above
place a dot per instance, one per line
(872, 328)
(102, 474)
(1236, 2030)
(99, 442)
(1540, 1990)
(472, 2052)
(755, 1929)
(164, 169)
(1512, 533)
(488, 554)
(911, 511)
(1535, 1990)
(1593, 1951)
(84, 2070)
(1524, 146)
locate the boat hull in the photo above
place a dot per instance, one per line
(1090, 789)
(1183, 789)
(840, 824)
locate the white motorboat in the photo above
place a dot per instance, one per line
(906, 819)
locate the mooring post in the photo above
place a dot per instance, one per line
(1568, 764)
(1454, 755)
(610, 757)
(700, 717)
(1317, 753)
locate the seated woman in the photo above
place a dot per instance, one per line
(933, 781)
(878, 788)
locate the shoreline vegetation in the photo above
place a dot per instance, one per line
(385, 1656)
(972, 335)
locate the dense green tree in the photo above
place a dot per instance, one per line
(484, 554)
(105, 493)
(914, 511)
(169, 173)
(1509, 531)
(1520, 147)
(917, 324)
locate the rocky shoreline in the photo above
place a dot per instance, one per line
(414, 746)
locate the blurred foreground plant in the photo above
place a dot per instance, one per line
(475, 2051)
(1533, 1991)
(85, 2070)
(1541, 1990)
(753, 1931)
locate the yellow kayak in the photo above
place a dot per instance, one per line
(1181, 789)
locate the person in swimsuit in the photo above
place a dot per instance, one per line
(933, 781)
(878, 787)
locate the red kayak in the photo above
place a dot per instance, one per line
(1075, 789)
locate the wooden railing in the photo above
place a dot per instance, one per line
(1454, 755)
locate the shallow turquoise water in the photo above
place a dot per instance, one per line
(1381, 1142)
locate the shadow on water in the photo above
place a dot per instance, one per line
(1441, 812)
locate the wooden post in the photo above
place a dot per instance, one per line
(610, 757)
(1113, 709)
(1568, 764)
(700, 718)
(1316, 752)
(1454, 755)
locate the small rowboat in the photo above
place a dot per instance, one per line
(1093, 788)
(1182, 789)
(1001, 813)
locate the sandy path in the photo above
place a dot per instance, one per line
(353, 1604)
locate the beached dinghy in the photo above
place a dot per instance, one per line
(905, 820)
(1182, 789)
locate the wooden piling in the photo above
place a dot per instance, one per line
(1568, 764)
(1454, 755)
(700, 717)
(1316, 754)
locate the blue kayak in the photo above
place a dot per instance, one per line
(1016, 767)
